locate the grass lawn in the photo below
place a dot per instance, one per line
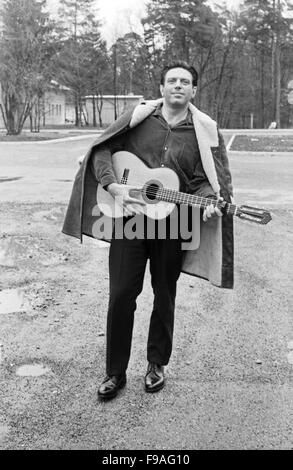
(30, 137)
(249, 143)
(276, 143)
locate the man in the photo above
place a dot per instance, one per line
(167, 132)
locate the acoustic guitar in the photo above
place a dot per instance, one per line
(159, 189)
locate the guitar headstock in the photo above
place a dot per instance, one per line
(253, 214)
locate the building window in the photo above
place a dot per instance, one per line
(54, 109)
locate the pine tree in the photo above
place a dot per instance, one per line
(82, 53)
(177, 30)
(269, 33)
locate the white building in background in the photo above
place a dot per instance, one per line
(57, 107)
(52, 107)
(107, 105)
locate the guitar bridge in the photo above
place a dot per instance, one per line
(124, 178)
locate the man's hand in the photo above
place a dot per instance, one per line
(212, 211)
(130, 205)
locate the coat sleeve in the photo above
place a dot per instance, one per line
(101, 161)
(225, 163)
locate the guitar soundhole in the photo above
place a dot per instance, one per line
(151, 191)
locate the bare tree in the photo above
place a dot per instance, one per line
(24, 60)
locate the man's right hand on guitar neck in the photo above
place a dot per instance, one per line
(121, 193)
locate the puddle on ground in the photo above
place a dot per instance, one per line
(15, 252)
(12, 301)
(4, 430)
(56, 213)
(65, 181)
(32, 370)
(290, 357)
(6, 259)
(12, 249)
(5, 179)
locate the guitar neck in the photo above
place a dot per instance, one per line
(177, 197)
(153, 191)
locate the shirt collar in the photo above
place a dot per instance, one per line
(158, 112)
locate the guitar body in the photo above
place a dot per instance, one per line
(159, 188)
(139, 175)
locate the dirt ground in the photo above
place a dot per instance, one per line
(254, 143)
(229, 381)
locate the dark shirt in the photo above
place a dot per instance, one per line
(157, 144)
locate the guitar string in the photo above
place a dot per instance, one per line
(173, 196)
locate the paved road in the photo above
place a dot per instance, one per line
(45, 172)
(229, 382)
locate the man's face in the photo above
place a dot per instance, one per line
(178, 89)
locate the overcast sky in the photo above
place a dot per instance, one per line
(131, 11)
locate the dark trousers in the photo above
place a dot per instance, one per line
(127, 263)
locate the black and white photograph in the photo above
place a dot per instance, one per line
(146, 227)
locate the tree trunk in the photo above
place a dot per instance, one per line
(99, 108)
(85, 117)
(76, 107)
(34, 117)
(94, 112)
(262, 92)
(115, 81)
(3, 116)
(278, 70)
(11, 110)
(278, 88)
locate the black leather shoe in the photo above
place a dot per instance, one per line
(154, 379)
(111, 385)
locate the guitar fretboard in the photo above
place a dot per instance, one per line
(153, 191)
(169, 195)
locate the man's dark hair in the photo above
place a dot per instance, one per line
(181, 65)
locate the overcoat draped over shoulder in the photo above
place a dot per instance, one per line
(213, 259)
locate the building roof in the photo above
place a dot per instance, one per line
(58, 85)
(114, 96)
